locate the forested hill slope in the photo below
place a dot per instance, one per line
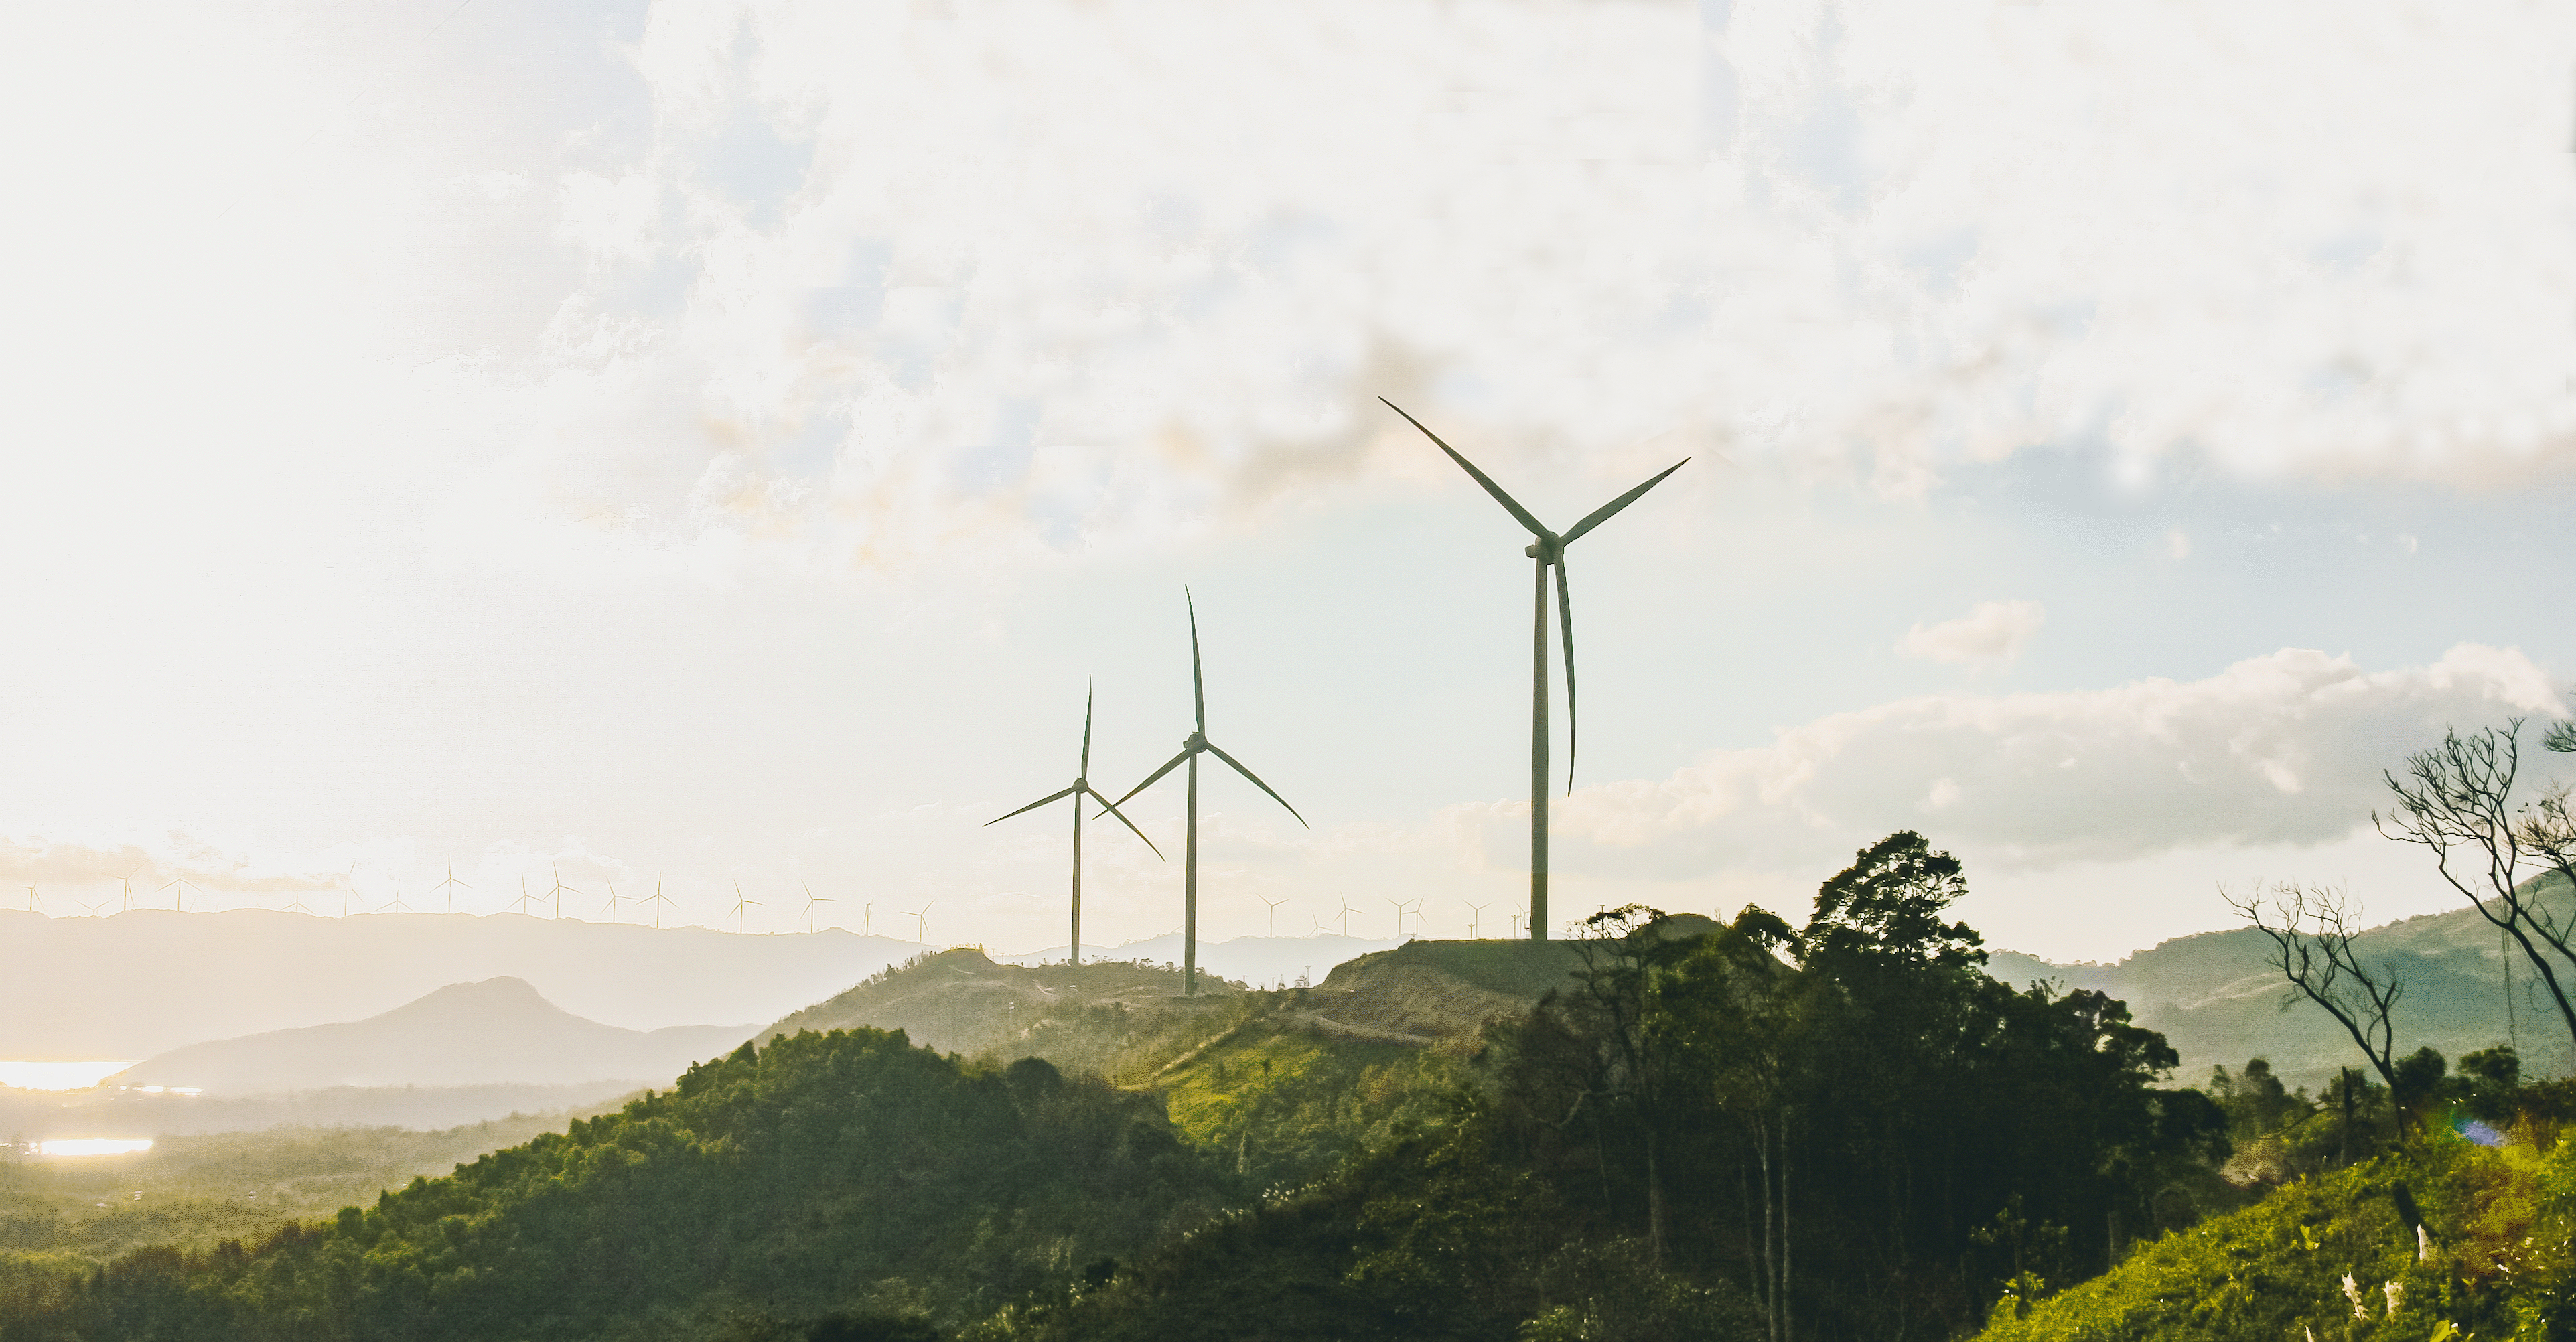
(2217, 1002)
(823, 1174)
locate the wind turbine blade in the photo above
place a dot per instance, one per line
(1256, 782)
(1565, 618)
(1154, 777)
(1052, 796)
(1085, 770)
(1122, 819)
(1509, 503)
(1606, 511)
(1198, 683)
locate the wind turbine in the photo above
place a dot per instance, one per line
(1399, 918)
(612, 901)
(92, 908)
(178, 901)
(397, 905)
(1081, 788)
(296, 905)
(1191, 748)
(1274, 910)
(560, 890)
(31, 899)
(1548, 548)
(128, 879)
(657, 901)
(812, 899)
(740, 908)
(451, 885)
(1347, 910)
(924, 925)
(1472, 911)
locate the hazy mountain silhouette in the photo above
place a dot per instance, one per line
(466, 1034)
(135, 984)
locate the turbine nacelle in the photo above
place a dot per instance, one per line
(1550, 547)
(1196, 741)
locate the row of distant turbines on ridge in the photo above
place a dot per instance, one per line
(1403, 912)
(1546, 547)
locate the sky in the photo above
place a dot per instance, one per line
(716, 444)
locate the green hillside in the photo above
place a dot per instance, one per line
(2217, 1002)
(2493, 1260)
(823, 1174)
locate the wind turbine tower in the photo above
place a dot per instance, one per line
(613, 902)
(658, 901)
(1191, 748)
(1548, 548)
(740, 907)
(178, 901)
(922, 926)
(451, 885)
(1274, 910)
(1080, 789)
(560, 891)
(812, 899)
(1473, 910)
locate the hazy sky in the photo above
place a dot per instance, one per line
(717, 440)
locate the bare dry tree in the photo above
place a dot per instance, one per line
(2313, 928)
(2546, 827)
(2456, 801)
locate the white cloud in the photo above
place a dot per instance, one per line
(2281, 749)
(1991, 634)
(1048, 275)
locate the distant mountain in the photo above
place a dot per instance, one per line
(135, 984)
(2218, 1003)
(496, 1032)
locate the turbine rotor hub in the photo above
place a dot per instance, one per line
(1196, 741)
(1549, 547)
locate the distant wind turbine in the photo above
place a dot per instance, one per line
(613, 901)
(296, 904)
(560, 891)
(91, 908)
(451, 885)
(1398, 905)
(923, 928)
(1191, 748)
(1548, 548)
(1080, 789)
(867, 920)
(183, 885)
(525, 899)
(740, 907)
(1473, 910)
(128, 879)
(657, 901)
(31, 899)
(812, 899)
(396, 906)
(1347, 911)
(1274, 910)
